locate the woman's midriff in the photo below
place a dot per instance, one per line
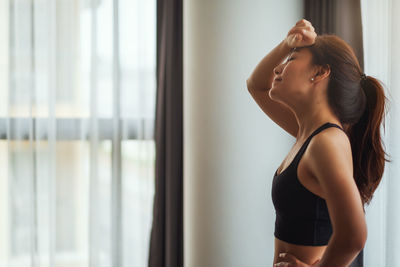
(307, 254)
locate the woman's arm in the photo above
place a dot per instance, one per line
(262, 76)
(302, 34)
(339, 253)
(276, 111)
(260, 81)
(331, 163)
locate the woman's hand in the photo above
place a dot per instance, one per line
(289, 260)
(302, 34)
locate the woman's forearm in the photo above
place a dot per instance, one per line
(262, 76)
(339, 253)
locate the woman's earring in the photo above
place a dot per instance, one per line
(312, 79)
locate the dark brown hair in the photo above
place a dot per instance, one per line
(359, 104)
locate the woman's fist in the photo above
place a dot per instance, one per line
(302, 34)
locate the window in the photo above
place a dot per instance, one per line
(77, 102)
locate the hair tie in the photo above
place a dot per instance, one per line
(363, 76)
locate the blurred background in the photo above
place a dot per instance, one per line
(128, 136)
(77, 100)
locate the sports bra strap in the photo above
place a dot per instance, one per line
(324, 126)
(318, 130)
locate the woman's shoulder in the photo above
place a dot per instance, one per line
(329, 155)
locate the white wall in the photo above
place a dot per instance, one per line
(231, 148)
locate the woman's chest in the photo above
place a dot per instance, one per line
(300, 172)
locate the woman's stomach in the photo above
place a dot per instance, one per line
(306, 254)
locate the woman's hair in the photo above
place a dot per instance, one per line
(359, 104)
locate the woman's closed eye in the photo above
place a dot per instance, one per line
(288, 59)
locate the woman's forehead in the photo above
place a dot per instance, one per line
(300, 51)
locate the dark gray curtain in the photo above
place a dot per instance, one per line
(342, 18)
(166, 239)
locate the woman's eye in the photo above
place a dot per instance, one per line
(288, 59)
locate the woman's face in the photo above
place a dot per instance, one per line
(292, 77)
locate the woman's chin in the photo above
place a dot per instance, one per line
(274, 86)
(273, 93)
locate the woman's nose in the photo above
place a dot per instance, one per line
(276, 69)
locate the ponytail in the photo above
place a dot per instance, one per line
(359, 102)
(366, 142)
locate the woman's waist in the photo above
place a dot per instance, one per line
(307, 254)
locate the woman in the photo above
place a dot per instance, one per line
(320, 96)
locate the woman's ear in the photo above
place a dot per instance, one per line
(322, 72)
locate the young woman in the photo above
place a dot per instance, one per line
(320, 96)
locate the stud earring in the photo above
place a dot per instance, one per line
(312, 79)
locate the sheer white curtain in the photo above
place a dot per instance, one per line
(77, 96)
(381, 25)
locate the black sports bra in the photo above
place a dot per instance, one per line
(302, 217)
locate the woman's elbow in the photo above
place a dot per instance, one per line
(353, 240)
